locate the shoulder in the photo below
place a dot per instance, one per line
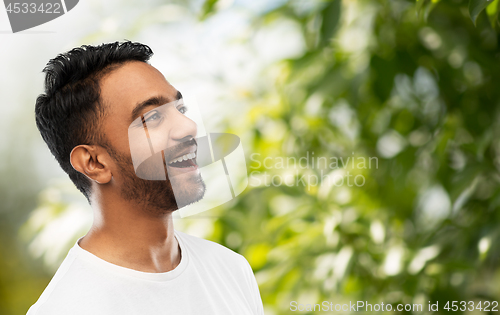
(210, 251)
(55, 287)
(72, 285)
(205, 246)
(224, 265)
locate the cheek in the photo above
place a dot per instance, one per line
(117, 135)
(152, 169)
(159, 138)
(146, 146)
(122, 143)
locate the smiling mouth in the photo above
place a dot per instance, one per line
(187, 160)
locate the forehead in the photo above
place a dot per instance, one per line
(133, 83)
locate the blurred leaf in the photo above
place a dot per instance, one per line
(476, 7)
(209, 8)
(331, 17)
(492, 10)
(419, 5)
(424, 8)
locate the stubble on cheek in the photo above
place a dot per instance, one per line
(159, 196)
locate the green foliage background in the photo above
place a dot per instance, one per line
(418, 78)
(408, 81)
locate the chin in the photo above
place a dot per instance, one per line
(188, 189)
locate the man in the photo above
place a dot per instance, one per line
(131, 261)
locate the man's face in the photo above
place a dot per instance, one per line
(140, 101)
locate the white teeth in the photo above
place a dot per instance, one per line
(185, 157)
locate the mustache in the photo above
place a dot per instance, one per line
(179, 149)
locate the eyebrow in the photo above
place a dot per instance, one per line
(153, 101)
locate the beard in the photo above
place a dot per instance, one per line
(157, 196)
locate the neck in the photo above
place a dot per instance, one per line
(127, 234)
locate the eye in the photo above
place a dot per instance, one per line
(152, 117)
(182, 109)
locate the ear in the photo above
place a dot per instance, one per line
(92, 162)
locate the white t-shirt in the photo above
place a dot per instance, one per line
(210, 279)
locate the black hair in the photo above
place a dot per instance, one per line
(70, 112)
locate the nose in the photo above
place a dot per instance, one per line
(182, 127)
